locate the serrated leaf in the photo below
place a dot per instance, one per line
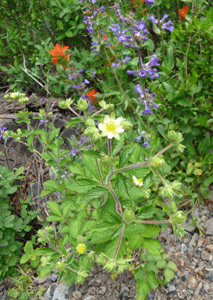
(117, 146)
(150, 230)
(122, 186)
(28, 248)
(82, 185)
(91, 166)
(53, 133)
(142, 289)
(109, 248)
(135, 241)
(101, 235)
(152, 280)
(169, 275)
(46, 270)
(93, 193)
(126, 155)
(24, 258)
(54, 218)
(54, 206)
(146, 212)
(152, 246)
(161, 264)
(73, 121)
(94, 154)
(171, 265)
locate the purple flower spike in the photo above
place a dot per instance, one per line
(43, 122)
(2, 130)
(147, 111)
(146, 144)
(139, 137)
(73, 152)
(149, 2)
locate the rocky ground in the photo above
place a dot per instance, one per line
(193, 255)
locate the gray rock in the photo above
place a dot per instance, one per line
(102, 290)
(194, 240)
(61, 292)
(77, 295)
(206, 287)
(50, 292)
(171, 287)
(54, 277)
(209, 276)
(192, 282)
(208, 227)
(90, 298)
(205, 255)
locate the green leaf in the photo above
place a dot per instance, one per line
(46, 270)
(146, 212)
(60, 24)
(101, 235)
(93, 193)
(74, 228)
(204, 145)
(169, 275)
(126, 155)
(53, 133)
(171, 265)
(82, 185)
(122, 186)
(3, 243)
(8, 221)
(54, 206)
(73, 121)
(150, 230)
(19, 171)
(91, 166)
(142, 289)
(152, 246)
(28, 248)
(152, 280)
(109, 248)
(135, 241)
(94, 154)
(24, 258)
(161, 264)
(168, 62)
(13, 261)
(69, 33)
(117, 146)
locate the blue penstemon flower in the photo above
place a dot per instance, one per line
(146, 69)
(147, 98)
(165, 25)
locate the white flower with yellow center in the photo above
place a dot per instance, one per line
(81, 248)
(137, 181)
(111, 127)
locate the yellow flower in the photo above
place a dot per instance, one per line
(138, 182)
(111, 127)
(81, 248)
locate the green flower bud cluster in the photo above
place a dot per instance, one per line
(91, 130)
(81, 276)
(178, 218)
(82, 104)
(168, 191)
(60, 266)
(194, 169)
(65, 104)
(128, 216)
(157, 162)
(106, 106)
(108, 161)
(45, 260)
(176, 138)
(17, 95)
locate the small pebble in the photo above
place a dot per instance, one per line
(205, 255)
(77, 295)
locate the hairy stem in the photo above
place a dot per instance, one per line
(119, 242)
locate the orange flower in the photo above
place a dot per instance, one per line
(58, 52)
(105, 37)
(183, 12)
(92, 97)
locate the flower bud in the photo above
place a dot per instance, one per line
(198, 172)
(110, 265)
(82, 104)
(90, 123)
(167, 192)
(175, 137)
(90, 131)
(178, 217)
(128, 216)
(108, 161)
(157, 162)
(96, 136)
